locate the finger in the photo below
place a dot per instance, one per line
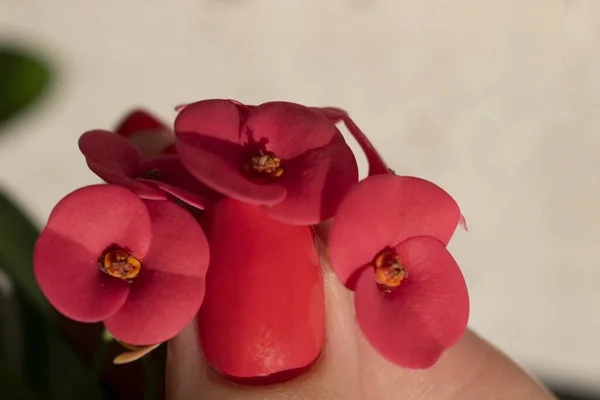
(471, 370)
(334, 376)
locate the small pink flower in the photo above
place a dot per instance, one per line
(388, 244)
(137, 265)
(149, 135)
(117, 161)
(285, 156)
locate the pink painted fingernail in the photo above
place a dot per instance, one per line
(263, 317)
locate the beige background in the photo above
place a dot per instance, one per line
(497, 101)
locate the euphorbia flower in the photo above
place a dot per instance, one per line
(388, 244)
(137, 265)
(333, 114)
(117, 161)
(376, 164)
(147, 133)
(285, 156)
(264, 311)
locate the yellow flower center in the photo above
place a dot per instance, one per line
(389, 272)
(119, 263)
(263, 168)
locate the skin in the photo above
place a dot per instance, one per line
(350, 369)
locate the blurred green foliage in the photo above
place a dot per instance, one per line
(17, 238)
(23, 79)
(44, 356)
(36, 361)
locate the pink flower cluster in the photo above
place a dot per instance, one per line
(215, 219)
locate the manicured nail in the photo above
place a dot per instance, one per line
(263, 317)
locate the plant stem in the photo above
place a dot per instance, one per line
(376, 164)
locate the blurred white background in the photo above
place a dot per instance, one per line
(497, 101)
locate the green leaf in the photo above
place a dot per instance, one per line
(12, 387)
(23, 78)
(48, 365)
(51, 366)
(17, 240)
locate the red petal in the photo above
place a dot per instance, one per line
(316, 183)
(177, 181)
(333, 114)
(171, 149)
(244, 109)
(169, 290)
(218, 164)
(178, 242)
(385, 210)
(264, 306)
(426, 314)
(98, 216)
(153, 143)
(376, 164)
(138, 121)
(79, 229)
(287, 129)
(69, 277)
(115, 160)
(159, 306)
(180, 107)
(462, 222)
(218, 119)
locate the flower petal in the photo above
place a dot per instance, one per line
(376, 164)
(264, 306)
(219, 119)
(79, 229)
(286, 129)
(138, 121)
(178, 182)
(135, 354)
(98, 216)
(115, 160)
(159, 306)
(333, 114)
(179, 245)
(385, 210)
(145, 132)
(71, 280)
(315, 183)
(426, 314)
(153, 143)
(171, 149)
(218, 164)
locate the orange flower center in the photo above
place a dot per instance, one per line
(389, 272)
(263, 168)
(120, 264)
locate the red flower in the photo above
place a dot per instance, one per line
(138, 265)
(388, 244)
(147, 133)
(333, 114)
(264, 311)
(285, 156)
(117, 161)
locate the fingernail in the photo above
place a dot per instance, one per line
(263, 316)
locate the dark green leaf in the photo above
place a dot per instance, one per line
(51, 366)
(23, 78)
(48, 364)
(17, 240)
(12, 387)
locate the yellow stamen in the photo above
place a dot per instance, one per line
(389, 271)
(120, 264)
